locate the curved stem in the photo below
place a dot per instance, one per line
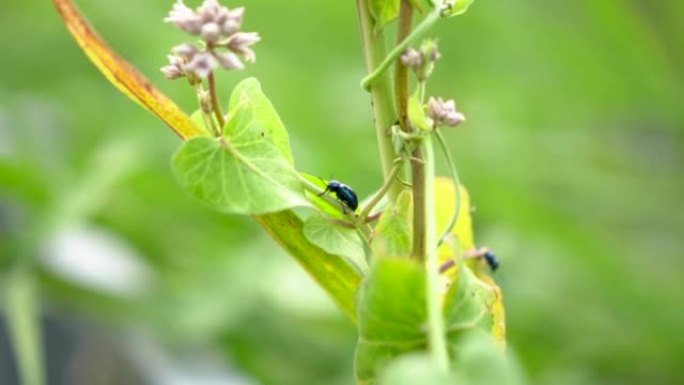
(400, 70)
(383, 190)
(457, 187)
(214, 100)
(416, 34)
(436, 330)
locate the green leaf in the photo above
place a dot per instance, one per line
(394, 230)
(267, 123)
(383, 11)
(247, 171)
(416, 113)
(415, 368)
(458, 7)
(468, 305)
(337, 277)
(482, 362)
(323, 232)
(391, 316)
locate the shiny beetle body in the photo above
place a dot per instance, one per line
(343, 193)
(491, 260)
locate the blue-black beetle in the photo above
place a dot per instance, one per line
(343, 193)
(491, 260)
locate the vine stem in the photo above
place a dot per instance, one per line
(383, 190)
(436, 330)
(214, 100)
(375, 51)
(457, 187)
(405, 21)
(399, 49)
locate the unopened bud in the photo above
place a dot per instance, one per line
(444, 112)
(205, 101)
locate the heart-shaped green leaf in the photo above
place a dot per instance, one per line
(322, 231)
(249, 169)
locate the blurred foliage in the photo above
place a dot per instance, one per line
(572, 153)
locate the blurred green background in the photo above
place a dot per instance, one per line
(573, 153)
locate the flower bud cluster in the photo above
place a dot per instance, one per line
(223, 44)
(443, 113)
(422, 61)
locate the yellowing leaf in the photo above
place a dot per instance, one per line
(123, 75)
(463, 232)
(445, 202)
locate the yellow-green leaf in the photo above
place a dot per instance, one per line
(123, 75)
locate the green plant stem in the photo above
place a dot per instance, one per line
(209, 122)
(378, 71)
(419, 197)
(23, 321)
(405, 22)
(457, 187)
(383, 190)
(375, 50)
(436, 329)
(214, 101)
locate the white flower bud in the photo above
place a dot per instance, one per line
(444, 112)
(201, 65)
(211, 32)
(229, 61)
(412, 59)
(240, 42)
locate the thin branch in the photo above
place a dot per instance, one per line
(457, 187)
(416, 34)
(214, 101)
(383, 190)
(400, 70)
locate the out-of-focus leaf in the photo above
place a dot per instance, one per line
(393, 232)
(392, 316)
(482, 283)
(481, 362)
(444, 207)
(331, 272)
(472, 304)
(458, 7)
(335, 239)
(122, 75)
(415, 368)
(383, 11)
(248, 170)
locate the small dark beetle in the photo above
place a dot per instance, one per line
(491, 260)
(343, 193)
